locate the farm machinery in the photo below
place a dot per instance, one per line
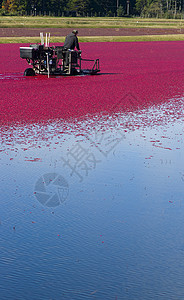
(56, 60)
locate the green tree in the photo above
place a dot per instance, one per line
(153, 9)
(94, 7)
(6, 5)
(140, 5)
(10, 5)
(108, 6)
(80, 7)
(120, 11)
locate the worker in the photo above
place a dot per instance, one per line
(71, 41)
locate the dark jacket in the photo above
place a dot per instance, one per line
(71, 42)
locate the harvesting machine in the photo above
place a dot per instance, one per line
(56, 60)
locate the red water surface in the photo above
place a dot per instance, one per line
(133, 76)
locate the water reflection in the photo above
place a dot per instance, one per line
(118, 233)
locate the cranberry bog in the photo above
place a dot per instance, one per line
(92, 178)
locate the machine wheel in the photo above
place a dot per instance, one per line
(29, 72)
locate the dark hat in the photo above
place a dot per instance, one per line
(75, 31)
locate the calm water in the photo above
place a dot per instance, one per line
(94, 211)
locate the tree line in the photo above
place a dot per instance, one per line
(97, 8)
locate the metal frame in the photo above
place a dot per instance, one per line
(53, 61)
(96, 65)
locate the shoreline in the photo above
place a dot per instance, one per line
(99, 39)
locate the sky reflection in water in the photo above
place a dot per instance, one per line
(118, 231)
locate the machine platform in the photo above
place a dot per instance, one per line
(56, 60)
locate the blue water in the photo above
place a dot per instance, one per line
(94, 213)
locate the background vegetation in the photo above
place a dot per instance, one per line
(147, 38)
(90, 22)
(98, 8)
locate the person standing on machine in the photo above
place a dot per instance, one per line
(71, 41)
